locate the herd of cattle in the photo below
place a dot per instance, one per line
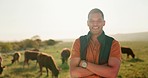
(43, 59)
(47, 61)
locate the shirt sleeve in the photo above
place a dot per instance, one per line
(76, 49)
(116, 50)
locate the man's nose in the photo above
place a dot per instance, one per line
(96, 23)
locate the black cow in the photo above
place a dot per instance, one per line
(65, 54)
(1, 67)
(16, 57)
(128, 51)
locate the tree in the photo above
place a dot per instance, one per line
(37, 40)
(51, 42)
(36, 37)
(6, 47)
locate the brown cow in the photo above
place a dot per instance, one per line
(47, 61)
(30, 55)
(65, 54)
(128, 51)
(16, 57)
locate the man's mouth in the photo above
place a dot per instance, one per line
(95, 28)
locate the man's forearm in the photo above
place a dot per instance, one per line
(110, 70)
(80, 72)
(99, 69)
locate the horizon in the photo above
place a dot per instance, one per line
(55, 19)
(72, 39)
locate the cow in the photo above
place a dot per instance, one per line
(128, 51)
(30, 55)
(65, 54)
(1, 60)
(1, 67)
(47, 61)
(16, 57)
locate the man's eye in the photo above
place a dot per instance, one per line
(95, 21)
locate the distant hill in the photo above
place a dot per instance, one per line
(141, 36)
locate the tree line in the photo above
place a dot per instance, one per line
(34, 42)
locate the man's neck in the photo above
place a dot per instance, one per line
(94, 36)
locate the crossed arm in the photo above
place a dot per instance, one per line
(109, 71)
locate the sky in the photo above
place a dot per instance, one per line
(67, 19)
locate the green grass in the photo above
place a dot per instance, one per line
(135, 68)
(130, 68)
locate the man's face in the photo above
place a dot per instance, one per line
(95, 23)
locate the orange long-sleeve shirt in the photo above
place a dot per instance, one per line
(93, 51)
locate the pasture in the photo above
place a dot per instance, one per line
(130, 68)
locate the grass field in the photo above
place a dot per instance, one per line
(138, 67)
(130, 68)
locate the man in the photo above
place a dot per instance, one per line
(95, 55)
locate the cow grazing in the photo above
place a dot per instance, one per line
(65, 54)
(1, 67)
(30, 55)
(16, 57)
(47, 61)
(128, 51)
(1, 60)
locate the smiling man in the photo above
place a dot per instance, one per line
(95, 55)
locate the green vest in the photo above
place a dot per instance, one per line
(106, 43)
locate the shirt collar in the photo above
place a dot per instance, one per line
(101, 38)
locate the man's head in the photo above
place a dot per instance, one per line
(96, 21)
